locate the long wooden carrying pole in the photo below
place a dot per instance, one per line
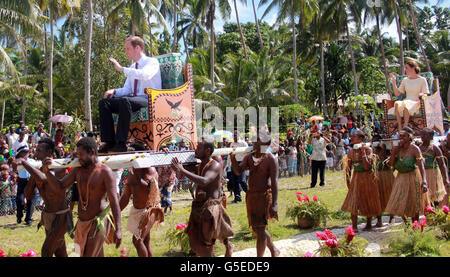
(142, 159)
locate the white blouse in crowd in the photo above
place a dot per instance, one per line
(318, 153)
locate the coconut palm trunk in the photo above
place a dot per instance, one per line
(25, 73)
(352, 56)
(50, 71)
(3, 114)
(294, 56)
(150, 33)
(261, 44)
(322, 78)
(416, 31)
(383, 57)
(211, 14)
(87, 73)
(175, 31)
(400, 40)
(240, 31)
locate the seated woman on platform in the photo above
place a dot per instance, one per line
(415, 87)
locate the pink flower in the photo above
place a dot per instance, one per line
(330, 234)
(430, 210)
(423, 223)
(445, 209)
(415, 225)
(321, 236)
(123, 251)
(3, 254)
(350, 233)
(315, 198)
(332, 243)
(299, 196)
(308, 255)
(306, 198)
(31, 253)
(123, 256)
(181, 226)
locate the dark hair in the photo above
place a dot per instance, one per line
(88, 144)
(428, 132)
(408, 130)
(49, 144)
(208, 144)
(414, 65)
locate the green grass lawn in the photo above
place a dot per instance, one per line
(16, 239)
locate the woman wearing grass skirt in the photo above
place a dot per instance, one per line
(435, 167)
(363, 196)
(385, 175)
(409, 196)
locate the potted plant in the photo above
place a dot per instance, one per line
(308, 213)
(347, 246)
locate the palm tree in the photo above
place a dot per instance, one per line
(18, 21)
(191, 23)
(416, 31)
(383, 14)
(341, 10)
(87, 65)
(137, 13)
(209, 7)
(261, 44)
(399, 31)
(55, 9)
(239, 27)
(151, 8)
(288, 9)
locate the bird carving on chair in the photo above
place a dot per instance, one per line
(174, 106)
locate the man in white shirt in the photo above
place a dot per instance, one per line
(238, 182)
(318, 157)
(39, 134)
(20, 142)
(12, 136)
(24, 176)
(144, 73)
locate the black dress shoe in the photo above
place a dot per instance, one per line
(119, 148)
(104, 148)
(19, 220)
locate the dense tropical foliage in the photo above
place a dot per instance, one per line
(318, 53)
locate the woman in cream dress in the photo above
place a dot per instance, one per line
(415, 87)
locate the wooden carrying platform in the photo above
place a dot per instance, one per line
(430, 112)
(170, 113)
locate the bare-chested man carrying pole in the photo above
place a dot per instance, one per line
(262, 194)
(95, 181)
(146, 210)
(208, 220)
(56, 216)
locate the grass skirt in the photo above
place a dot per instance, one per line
(363, 195)
(407, 198)
(436, 188)
(385, 182)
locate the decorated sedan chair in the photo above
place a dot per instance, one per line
(170, 111)
(429, 114)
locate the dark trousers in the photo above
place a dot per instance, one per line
(124, 106)
(21, 184)
(238, 184)
(317, 167)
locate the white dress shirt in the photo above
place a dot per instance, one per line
(148, 75)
